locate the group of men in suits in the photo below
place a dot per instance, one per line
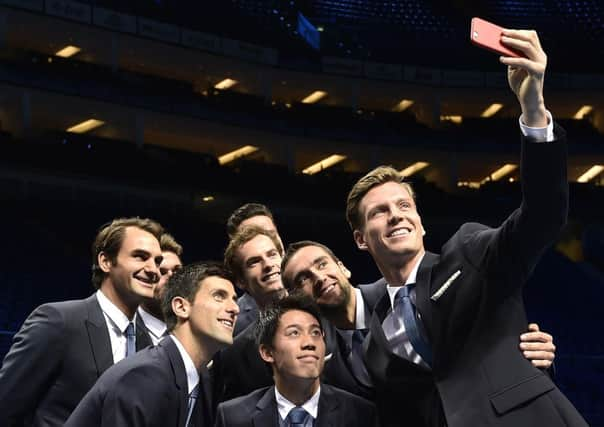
(433, 343)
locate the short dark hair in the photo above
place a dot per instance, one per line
(244, 212)
(295, 247)
(109, 240)
(168, 243)
(268, 319)
(185, 283)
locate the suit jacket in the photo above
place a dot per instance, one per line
(259, 409)
(239, 369)
(470, 301)
(56, 357)
(248, 313)
(147, 389)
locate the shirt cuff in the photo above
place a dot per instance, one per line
(360, 315)
(545, 134)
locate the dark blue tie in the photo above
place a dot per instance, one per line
(297, 417)
(191, 403)
(130, 340)
(357, 363)
(404, 307)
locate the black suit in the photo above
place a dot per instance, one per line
(239, 369)
(147, 389)
(473, 318)
(56, 357)
(259, 409)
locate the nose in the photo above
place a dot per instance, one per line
(395, 216)
(233, 308)
(308, 342)
(152, 270)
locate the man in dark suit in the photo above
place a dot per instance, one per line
(160, 386)
(62, 348)
(442, 348)
(149, 314)
(290, 339)
(258, 215)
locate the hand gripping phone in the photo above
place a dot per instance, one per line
(487, 35)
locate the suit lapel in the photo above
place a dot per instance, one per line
(98, 336)
(266, 414)
(422, 299)
(180, 377)
(142, 334)
(328, 404)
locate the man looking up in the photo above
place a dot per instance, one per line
(162, 386)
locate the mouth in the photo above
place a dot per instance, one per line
(146, 281)
(272, 277)
(308, 358)
(227, 323)
(399, 232)
(327, 289)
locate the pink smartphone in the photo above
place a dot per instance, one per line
(487, 35)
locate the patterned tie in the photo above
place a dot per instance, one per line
(297, 417)
(404, 309)
(191, 404)
(130, 340)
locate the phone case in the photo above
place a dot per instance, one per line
(487, 35)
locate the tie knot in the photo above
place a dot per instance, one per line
(404, 291)
(129, 332)
(297, 416)
(195, 392)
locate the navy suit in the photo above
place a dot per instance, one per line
(147, 389)
(248, 313)
(470, 301)
(57, 355)
(259, 409)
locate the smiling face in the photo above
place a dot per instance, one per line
(135, 271)
(260, 262)
(313, 271)
(298, 348)
(213, 312)
(170, 263)
(391, 227)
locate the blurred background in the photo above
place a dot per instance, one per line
(184, 110)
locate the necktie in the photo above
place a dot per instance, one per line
(404, 309)
(297, 417)
(130, 340)
(191, 404)
(357, 363)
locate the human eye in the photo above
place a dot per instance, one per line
(316, 332)
(293, 333)
(219, 296)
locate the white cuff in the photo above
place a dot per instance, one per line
(545, 134)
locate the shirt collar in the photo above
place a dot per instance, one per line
(116, 316)
(192, 374)
(284, 406)
(154, 325)
(392, 290)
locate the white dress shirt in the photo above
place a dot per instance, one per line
(157, 328)
(117, 322)
(284, 406)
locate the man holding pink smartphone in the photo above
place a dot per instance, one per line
(440, 351)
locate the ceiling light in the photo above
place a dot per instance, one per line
(403, 105)
(314, 97)
(324, 164)
(591, 173)
(454, 119)
(68, 51)
(414, 168)
(225, 84)
(246, 150)
(86, 126)
(501, 172)
(583, 111)
(208, 198)
(491, 110)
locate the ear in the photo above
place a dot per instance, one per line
(104, 262)
(346, 271)
(359, 240)
(266, 353)
(181, 307)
